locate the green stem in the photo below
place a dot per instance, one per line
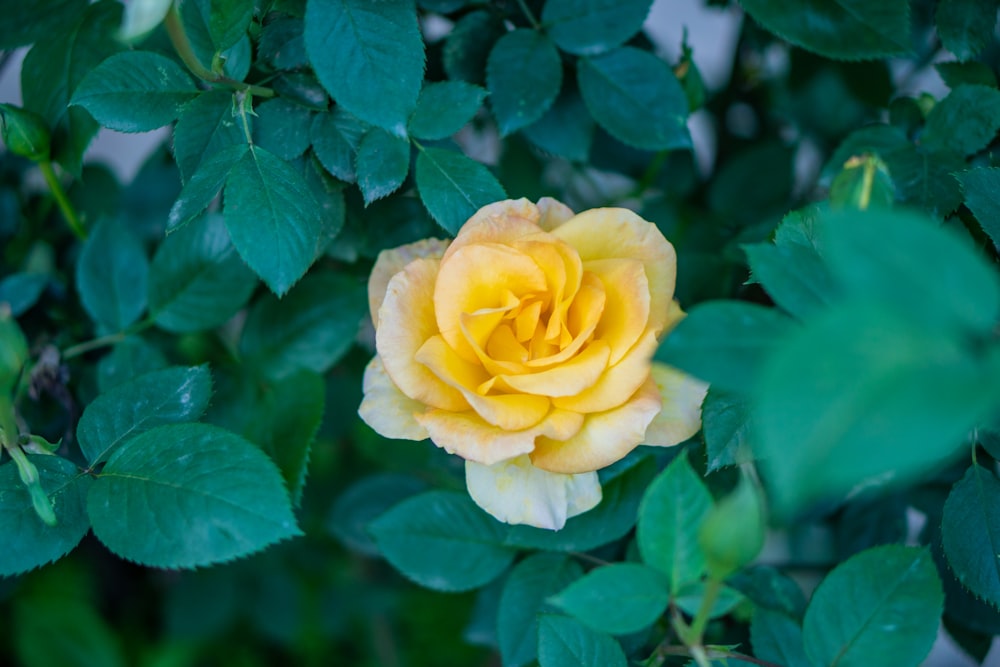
(714, 654)
(712, 589)
(62, 200)
(110, 339)
(527, 13)
(25, 468)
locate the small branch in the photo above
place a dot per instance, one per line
(528, 14)
(110, 339)
(62, 200)
(713, 654)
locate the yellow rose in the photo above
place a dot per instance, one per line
(524, 347)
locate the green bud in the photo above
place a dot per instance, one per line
(733, 532)
(13, 350)
(864, 182)
(690, 77)
(36, 444)
(24, 132)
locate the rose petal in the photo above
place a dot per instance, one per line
(501, 222)
(617, 384)
(680, 417)
(610, 233)
(517, 492)
(406, 322)
(388, 410)
(604, 437)
(390, 262)
(471, 437)
(553, 213)
(566, 379)
(626, 306)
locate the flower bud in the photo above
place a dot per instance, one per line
(24, 132)
(733, 532)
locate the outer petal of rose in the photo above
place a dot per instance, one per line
(388, 410)
(391, 261)
(471, 437)
(515, 491)
(553, 213)
(501, 222)
(604, 437)
(680, 417)
(617, 384)
(610, 233)
(406, 321)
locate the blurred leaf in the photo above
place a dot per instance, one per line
(282, 127)
(369, 56)
(310, 328)
(365, 500)
(618, 598)
(843, 29)
(636, 98)
(593, 26)
(453, 187)
(770, 589)
(793, 275)
(37, 544)
(689, 600)
(524, 75)
(282, 43)
(335, 138)
(135, 91)
(204, 185)
(128, 359)
(675, 505)
(168, 396)
(111, 276)
(197, 280)
(881, 606)
(187, 495)
(966, 26)
(777, 638)
(982, 195)
(228, 21)
(726, 424)
(382, 163)
(444, 108)
(563, 642)
(22, 290)
(964, 122)
(272, 218)
(523, 600)
(442, 540)
(970, 527)
(566, 129)
(468, 45)
(725, 342)
(59, 631)
(753, 183)
(954, 74)
(30, 22)
(866, 523)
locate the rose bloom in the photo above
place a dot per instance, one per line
(524, 346)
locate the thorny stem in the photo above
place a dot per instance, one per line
(62, 200)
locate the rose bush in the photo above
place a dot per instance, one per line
(524, 346)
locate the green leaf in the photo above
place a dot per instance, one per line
(36, 543)
(453, 187)
(111, 276)
(135, 91)
(524, 75)
(272, 217)
(27, 23)
(285, 420)
(793, 275)
(369, 57)
(61, 628)
(724, 342)
(839, 29)
(886, 255)
(228, 21)
(965, 122)
(622, 486)
(467, 47)
(442, 540)
(197, 280)
(966, 26)
(168, 396)
(566, 130)
(635, 97)
(954, 74)
(563, 642)
(689, 600)
(205, 126)
(128, 359)
(777, 638)
(282, 43)
(382, 164)
(589, 27)
(444, 107)
(362, 502)
(335, 139)
(311, 328)
(523, 598)
(726, 424)
(882, 606)
(56, 65)
(754, 183)
(283, 128)
(188, 495)
(886, 395)
(982, 195)
(204, 185)
(769, 588)
(22, 290)
(619, 598)
(970, 527)
(673, 509)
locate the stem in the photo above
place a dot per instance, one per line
(25, 468)
(527, 13)
(713, 654)
(110, 339)
(712, 589)
(62, 200)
